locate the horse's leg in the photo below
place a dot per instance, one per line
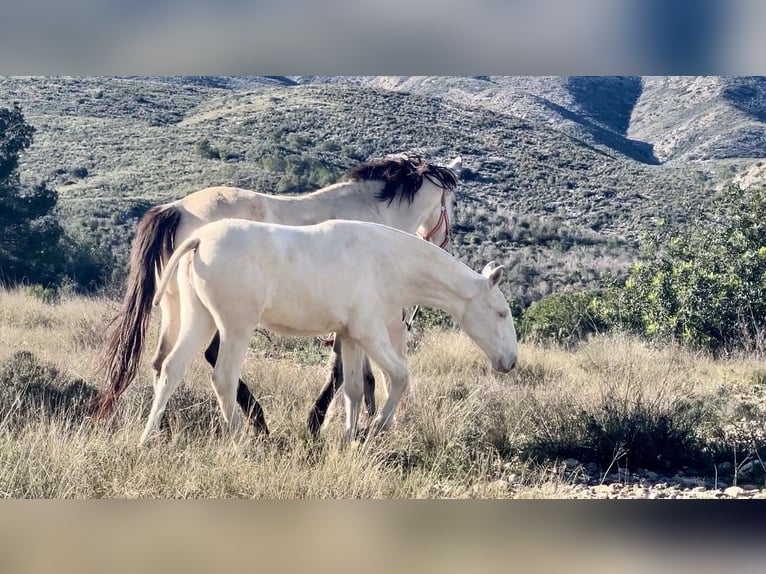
(250, 406)
(369, 387)
(353, 357)
(170, 322)
(169, 325)
(192, 337)
(388, 353)
(397, 334)
(226, 374)
(318, 412)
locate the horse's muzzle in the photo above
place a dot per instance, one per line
(504, 366)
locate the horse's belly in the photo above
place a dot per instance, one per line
(298, 321)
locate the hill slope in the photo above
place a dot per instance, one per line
(649, 119)
(556, 209)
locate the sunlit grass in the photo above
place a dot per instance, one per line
(462, 431)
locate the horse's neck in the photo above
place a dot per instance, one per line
(439, 280)
(354, 200)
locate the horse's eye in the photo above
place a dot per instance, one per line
(502, 314)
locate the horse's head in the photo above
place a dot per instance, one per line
(437, 228)
(489, 323)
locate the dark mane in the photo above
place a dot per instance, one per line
(403, 175)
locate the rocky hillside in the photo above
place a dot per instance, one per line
(649, 119)
(561, 174)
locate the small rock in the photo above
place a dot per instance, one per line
(603, 489)
(650, 476)
(734, 491)
(640, 492)
(571, 463)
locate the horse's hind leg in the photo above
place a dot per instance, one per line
(170, 322)
(193, 336)
(226, 374)
(250, 406)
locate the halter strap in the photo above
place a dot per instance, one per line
(443, 218)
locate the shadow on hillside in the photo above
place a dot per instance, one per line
(607, 100)
(748, 95)
(634, 149)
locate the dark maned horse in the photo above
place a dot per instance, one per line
(404, 191)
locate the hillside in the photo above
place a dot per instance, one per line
(648, 119)
(557, 206)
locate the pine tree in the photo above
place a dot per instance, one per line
(30, 235)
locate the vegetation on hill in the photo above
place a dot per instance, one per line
(559, 212)
(33, 246)
(702, 283)
(564, 217)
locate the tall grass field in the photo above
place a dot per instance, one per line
(567, 421)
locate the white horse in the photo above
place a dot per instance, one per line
(405, 192)
(348, 277)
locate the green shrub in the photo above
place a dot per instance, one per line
(567, 318)
(705, 283)
(206, 150)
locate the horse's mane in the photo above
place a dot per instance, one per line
(403, 174)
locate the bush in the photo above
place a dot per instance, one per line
(624, 426)
(705, 283)
(30, 388)
(206, 150)
(567, 318)
(34, 248)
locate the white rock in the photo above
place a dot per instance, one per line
(734, 491)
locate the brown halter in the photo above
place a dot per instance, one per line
(443, 218)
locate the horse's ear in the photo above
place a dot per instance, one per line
(493, 273)
(488, 268)
(456, 165)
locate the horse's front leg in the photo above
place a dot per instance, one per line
(389, 352)
(247, 402)
(318, 412)
(353, 358)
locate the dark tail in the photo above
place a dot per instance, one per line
(152, 244)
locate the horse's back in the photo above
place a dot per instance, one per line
(217, 203)
(310, 278)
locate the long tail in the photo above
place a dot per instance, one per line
(170, 266)
(153, 242)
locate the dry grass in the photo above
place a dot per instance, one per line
(462, 432)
